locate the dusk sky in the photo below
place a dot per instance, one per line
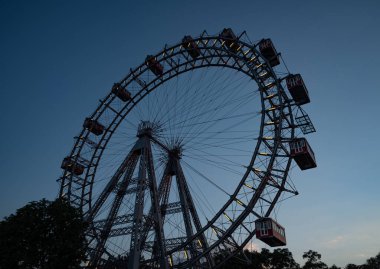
(58, 58)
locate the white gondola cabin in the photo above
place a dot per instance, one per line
(230, 39)
(71, 166)
(93, 126)
(297, 89)
(269, 52)
(191, 47)
(154, 66)
(270, 232)
(302, 153)
(120, 92)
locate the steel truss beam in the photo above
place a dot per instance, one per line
(146, 170)
(130, 164)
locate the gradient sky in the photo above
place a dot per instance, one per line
(58, 58)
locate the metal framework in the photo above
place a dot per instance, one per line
(140, 186)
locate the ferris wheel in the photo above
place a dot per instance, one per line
(187, 156)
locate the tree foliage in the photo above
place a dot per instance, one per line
(313, 260)
(374, 262)
(280, 258)
(47, 235)
(42, 234)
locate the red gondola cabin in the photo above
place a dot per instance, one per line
(120, 92)
(270, 232)
(229, 38)
(93, 126)
(269, 52)
(71, 166)
(297, 89)
(191, 47)
(154, 66)
(302, 153)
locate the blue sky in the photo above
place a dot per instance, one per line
(58, 58)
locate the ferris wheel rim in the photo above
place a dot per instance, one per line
(110, 97)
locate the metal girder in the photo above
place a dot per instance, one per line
(134, 259)
(131, 162)
(169, 243)
(138, 236)
(163, 194)
(112, 184)
(304, 122)
(124, 219)
(136, 189)
(171, 208)
(120, 231)
(188, 204)
(229, 241)
(157, 219)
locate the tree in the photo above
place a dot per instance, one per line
(373, 262)
(43, 235)
(279, 259)
(334, 267)
(256, 259)
(313, 260)
(265, 257)
(282, 258)
(351, 266)
(239, 261)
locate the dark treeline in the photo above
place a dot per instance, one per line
(282, 258)
(48, 235)
(43, 235)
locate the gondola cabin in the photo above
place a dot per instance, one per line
(302, 153)
(93, 126)
(191, 47)
(269, 52)
(71, 166)
(230, 39)
(297, 89)
(120, 92)
(154, 66)
(270, 232)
